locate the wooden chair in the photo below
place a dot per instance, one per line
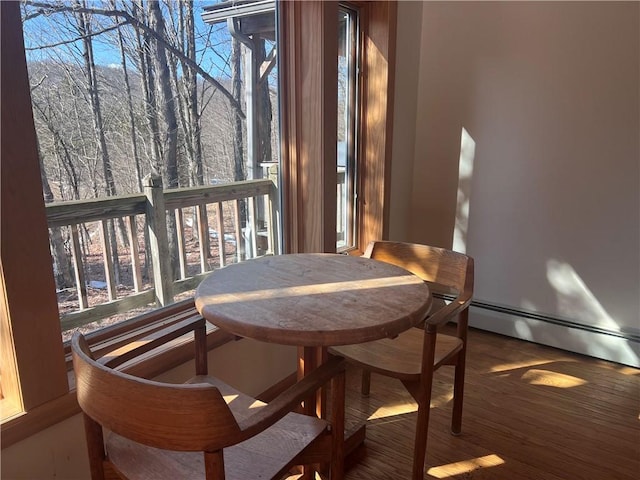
(414, 355)
(203, 429)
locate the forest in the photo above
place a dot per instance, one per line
(123, 88)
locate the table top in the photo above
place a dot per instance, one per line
(313, 299)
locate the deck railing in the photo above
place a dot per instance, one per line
(144, 216)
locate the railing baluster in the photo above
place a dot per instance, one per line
(203, 232)
(269, 220)
(238, 230)
(220, 224)
(132, 231)
(182, 254)
(254, 226)
(274, 208)
(81, 282)
(108, 260)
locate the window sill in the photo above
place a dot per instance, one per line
(17, 425)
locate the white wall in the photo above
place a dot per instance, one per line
(549, 92)
(404, 117)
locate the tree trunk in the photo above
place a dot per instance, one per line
(264, 113)
(132, 123)
(62, 267)
(238, 136)
(147, 79)
(191, 82)
(84, 28)
(191, 118)
(168, 114)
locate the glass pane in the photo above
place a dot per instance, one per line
(347, 139)
(113, 104)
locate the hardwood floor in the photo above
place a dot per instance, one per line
(530, 413)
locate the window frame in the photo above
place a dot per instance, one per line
(309, 113)
(31, 339)
(353, 113)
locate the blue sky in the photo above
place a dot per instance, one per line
(53, 29)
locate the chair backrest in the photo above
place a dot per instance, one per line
(438, 266)
(190, 417)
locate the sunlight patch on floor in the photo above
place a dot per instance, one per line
(504, 367)
(552, 379)
(409, 406)
(393, 410)
(629, 371)
(441, 400)
(466, 466)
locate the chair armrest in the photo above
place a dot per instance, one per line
(445, 314)
(156, 339)
(284, 403)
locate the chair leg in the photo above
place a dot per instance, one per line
(95, 447)
(423, 397)
(460, 365)
(214, 465)
(458, 394)
(366, 382)
(420, 445)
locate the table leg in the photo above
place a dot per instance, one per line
(352, 442)
(309, 358)
(338, 388)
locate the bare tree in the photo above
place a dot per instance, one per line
(168, 114)
(130, 108)
(236, 82)
(83, 21)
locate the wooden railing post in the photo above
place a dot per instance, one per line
(272, 226)
(158, 240)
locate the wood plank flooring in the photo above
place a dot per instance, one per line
(531, 413)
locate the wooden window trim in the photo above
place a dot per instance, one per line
(30, 309)
(378, 65)
(308, 44)
(308, 49)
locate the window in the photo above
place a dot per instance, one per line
(348, 108)
(309, 107)
(31, 337)
(122, 89)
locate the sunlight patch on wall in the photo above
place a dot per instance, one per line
(465, 172)
(465, 467)
(575, 300)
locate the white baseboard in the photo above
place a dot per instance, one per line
(623, 349)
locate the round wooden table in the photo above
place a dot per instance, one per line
(313, 299)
